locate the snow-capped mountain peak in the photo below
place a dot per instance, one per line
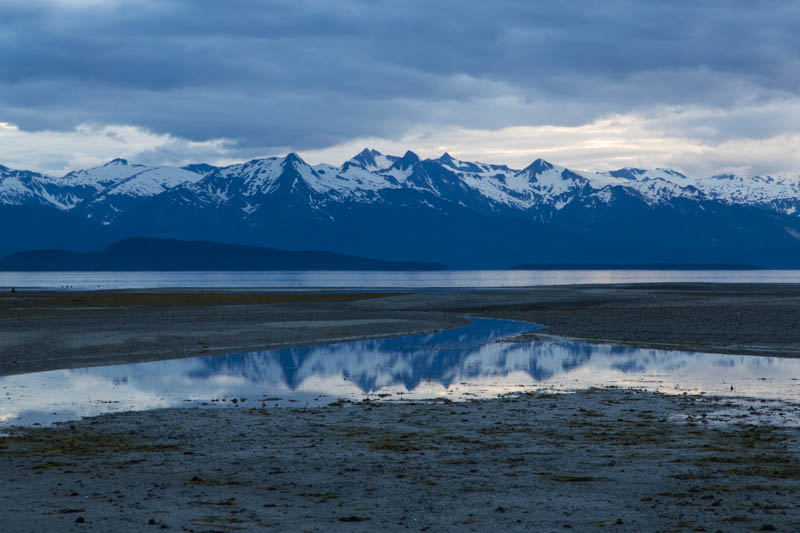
(447, 159)
(408, 160)
(109, 174)
(366, 158)
(104, 192)
(119, 161)
(371, 160)
(292, 159)
(539, 166)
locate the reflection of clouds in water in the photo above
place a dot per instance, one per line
(72, 394)
(462, 363)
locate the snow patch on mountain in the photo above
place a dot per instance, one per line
(753, 190)
(100, 178)
(153, 181)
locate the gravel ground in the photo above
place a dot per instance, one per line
(607, 460)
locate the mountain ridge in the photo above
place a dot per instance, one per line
(108, 178)
(462, 213)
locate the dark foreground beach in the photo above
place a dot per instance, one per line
(606, 460)
(597, 460)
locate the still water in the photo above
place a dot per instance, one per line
(477, 361)
(376, 279)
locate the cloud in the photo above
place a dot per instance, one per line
(58, 152)
(312, 74)
(684, 139)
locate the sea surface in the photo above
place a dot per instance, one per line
(448, 279)
(477, 361)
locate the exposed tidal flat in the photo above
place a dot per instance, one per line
(50, 330)
(596, 459)
(608, 460)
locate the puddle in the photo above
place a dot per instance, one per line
(467, 363)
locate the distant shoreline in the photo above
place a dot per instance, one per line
(643, 266)
(544, 267)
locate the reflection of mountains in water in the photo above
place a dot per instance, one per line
(465, 355)
(373, 364)
(447, 357)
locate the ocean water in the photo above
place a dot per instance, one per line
(477, 361)
(448, 279)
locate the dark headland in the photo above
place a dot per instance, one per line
(146, 254)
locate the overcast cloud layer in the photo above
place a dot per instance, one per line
(704, 86)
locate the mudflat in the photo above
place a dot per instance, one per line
(599, 460)
(45, 331)
(758, 319)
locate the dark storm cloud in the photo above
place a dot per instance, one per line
(309, 74)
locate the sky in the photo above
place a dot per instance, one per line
(702, 86)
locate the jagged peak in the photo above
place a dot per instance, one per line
(465, 166)
(446, 158)
(116, 162)
(410, 156)
(368, 152)
(409, 159)
(292, 157)
(538, 166)
(366, 157)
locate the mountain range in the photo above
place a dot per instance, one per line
(404, 208)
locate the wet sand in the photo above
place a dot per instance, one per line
(601, 460)
(40, 331)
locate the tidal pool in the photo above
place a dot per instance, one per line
(477, 361)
